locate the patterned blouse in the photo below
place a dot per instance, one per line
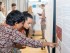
(9, 36)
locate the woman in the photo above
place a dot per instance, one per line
(2, 15)
(43, 20)
(9, 34)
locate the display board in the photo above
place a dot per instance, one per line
(63, 26)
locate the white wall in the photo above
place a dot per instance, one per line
(49, 18)
(49, 22)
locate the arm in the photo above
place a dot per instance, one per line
(18, 37)
(21, 39)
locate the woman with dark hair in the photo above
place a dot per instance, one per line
(9, 34)
(28, 19)
(26, 28)
(27, 16)
(2, 15)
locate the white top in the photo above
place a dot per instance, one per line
(9, 12)
(2, 17)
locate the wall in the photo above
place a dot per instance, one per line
(49, 22)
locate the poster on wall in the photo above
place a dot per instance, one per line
(63, 26)
(59, 38)
(59, 24)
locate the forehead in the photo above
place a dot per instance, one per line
(29, 20)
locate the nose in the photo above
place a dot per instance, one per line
(29, 25)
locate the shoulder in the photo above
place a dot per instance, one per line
(2, 15)
(5, 28)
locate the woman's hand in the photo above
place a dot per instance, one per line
(53, 45)
(50, 44)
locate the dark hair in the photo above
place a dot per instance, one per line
(42, 5)
(13, 4)
(27, 15)
(0, 5)
(14, 17)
